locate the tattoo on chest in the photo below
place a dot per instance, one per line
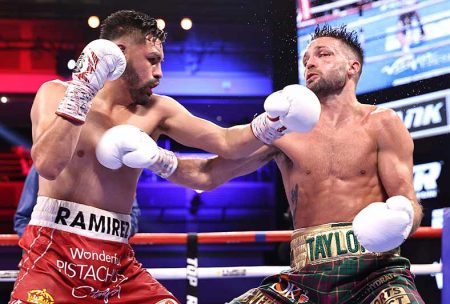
(294, 199)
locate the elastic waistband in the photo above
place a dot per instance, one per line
(81, 219)
(325, 243)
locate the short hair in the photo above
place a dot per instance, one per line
(129, 23)
(349, 38)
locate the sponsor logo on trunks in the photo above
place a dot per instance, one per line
(39, 297)
(371, 287)
(93, 267)
(425, 179)
(93, 222)
(86, 272)
(291, 292)
(82, 292)
(392, 295)
(82, 254)
(255, 296)
(333, 244)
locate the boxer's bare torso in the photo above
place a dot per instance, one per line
(64, 152)
(333, 172)
(84, 179)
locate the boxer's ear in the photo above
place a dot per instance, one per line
(354, 68)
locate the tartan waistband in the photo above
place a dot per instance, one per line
(325, 243)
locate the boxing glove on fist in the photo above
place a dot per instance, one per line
(293, 109)
(128, 145)
(100, 60)
(381, 226)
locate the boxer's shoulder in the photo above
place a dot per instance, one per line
(384, 118)
(381, 113)
(164, 100)
(49, 91)
(166, 106)
(54, 84)
(389, 128)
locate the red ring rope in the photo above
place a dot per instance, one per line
(221, 237)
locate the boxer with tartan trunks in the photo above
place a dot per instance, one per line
(355, 166)
(329, 265)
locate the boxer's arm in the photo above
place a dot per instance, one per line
(54, 137)
(395, 162)
(383, 226)
(207, 174)
(293, 109)
(231, 143)
(128, 145)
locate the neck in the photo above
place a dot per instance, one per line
(339, 106)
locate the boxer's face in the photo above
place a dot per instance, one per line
(326, 64)
(143, 71)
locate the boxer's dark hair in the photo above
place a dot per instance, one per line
(129, 22)
(349, 38)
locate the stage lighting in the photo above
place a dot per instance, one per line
(71, 64)
(160, 23)
(63, 57)
(93, 21)
(186, 24)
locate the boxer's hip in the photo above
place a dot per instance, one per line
(81, 220)
(79, 254)
(326, 243)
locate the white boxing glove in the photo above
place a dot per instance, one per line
(128, 145)
(381, 226)
(100, 60)
(293, 109)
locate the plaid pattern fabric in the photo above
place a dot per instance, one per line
(329, 266)
(368, 279)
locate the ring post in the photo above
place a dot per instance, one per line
(192, 269)
(446, 257)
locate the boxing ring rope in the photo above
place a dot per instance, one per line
(192, 272)
(220, 237)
